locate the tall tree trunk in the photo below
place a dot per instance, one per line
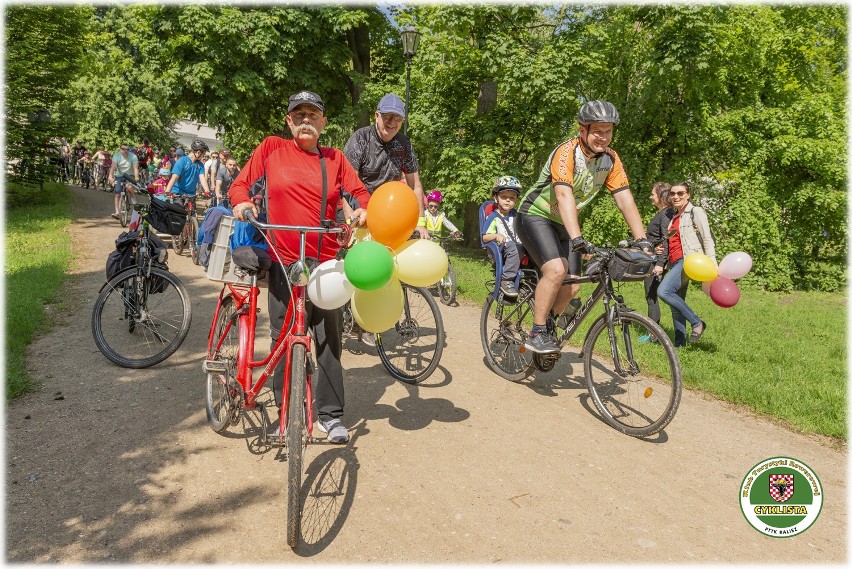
(359, 43)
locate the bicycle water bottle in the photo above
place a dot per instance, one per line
(569, 312)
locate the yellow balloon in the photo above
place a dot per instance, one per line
(378, 310)
(700, 267)
(421, 262)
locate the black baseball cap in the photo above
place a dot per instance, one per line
(305, 98)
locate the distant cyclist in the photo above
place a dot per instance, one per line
(187, 173)
(123, 172)
(435, 218)
(548, 214)
(144, 154)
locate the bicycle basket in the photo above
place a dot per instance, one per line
(166, 217)
(629, 263)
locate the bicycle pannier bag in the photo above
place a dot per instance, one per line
(630, 263)
(167, 217)
(122, 257)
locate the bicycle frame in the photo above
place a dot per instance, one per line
(245, 299)
(293, 332)
(612, 304)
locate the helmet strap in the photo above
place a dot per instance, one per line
(584, 142)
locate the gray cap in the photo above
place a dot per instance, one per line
(390, 103)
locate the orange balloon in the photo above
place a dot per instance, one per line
(392, 214)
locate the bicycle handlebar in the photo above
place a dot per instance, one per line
(300, 228)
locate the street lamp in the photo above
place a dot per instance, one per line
(410, 39)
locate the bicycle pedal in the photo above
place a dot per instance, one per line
(214, 366)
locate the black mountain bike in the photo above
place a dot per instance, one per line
(631, 367)
(188, 238)
(142, 314)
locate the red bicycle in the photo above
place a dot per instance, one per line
(231, 387)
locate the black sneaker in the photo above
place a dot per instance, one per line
(542, 343)
(508, 289)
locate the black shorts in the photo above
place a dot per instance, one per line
(546, 240)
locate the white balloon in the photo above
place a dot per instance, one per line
(735, 265)
(328, 287)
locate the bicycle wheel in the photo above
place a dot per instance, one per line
(123, 210)
(634, 377)
(447, 286)
(297, 438)
(411, 350)
(192, 224)
(179, 240)
(223, 392)
(143, 327)
(504, 329)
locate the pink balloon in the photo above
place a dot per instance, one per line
(705, 286)
(735, 265)
(724, 292)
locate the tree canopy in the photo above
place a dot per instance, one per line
(746, 102)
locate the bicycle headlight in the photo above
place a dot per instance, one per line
(299, 274)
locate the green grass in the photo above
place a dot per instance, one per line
(38, 255)
(781, 355)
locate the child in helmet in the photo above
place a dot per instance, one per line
(434, 218)
(502, 230)
(158, 187)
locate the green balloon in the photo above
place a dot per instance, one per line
(368, 265)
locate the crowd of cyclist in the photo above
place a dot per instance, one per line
(545, 224)
(169, 174)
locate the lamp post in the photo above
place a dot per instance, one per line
(410, 39)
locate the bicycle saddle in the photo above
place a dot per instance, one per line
(251, 259)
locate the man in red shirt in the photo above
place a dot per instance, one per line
(294, 194)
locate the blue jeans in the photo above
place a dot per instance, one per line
(512, 253)
(672, 291)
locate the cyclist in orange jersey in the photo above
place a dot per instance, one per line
(548, 213)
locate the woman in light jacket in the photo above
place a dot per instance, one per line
(691, 235)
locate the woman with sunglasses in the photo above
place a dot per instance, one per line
(689, 233)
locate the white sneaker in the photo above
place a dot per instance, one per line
(369, 339)
(337, 433)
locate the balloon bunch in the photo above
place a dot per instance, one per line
(384, 255)
(719, 283)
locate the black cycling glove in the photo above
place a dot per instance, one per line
(644, 244)
(580, 245)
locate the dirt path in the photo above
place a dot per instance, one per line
(109, 464)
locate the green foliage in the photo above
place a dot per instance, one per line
(44, 48)
(235, 67)
(746, 102)
(38, 254)
(125, 95)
